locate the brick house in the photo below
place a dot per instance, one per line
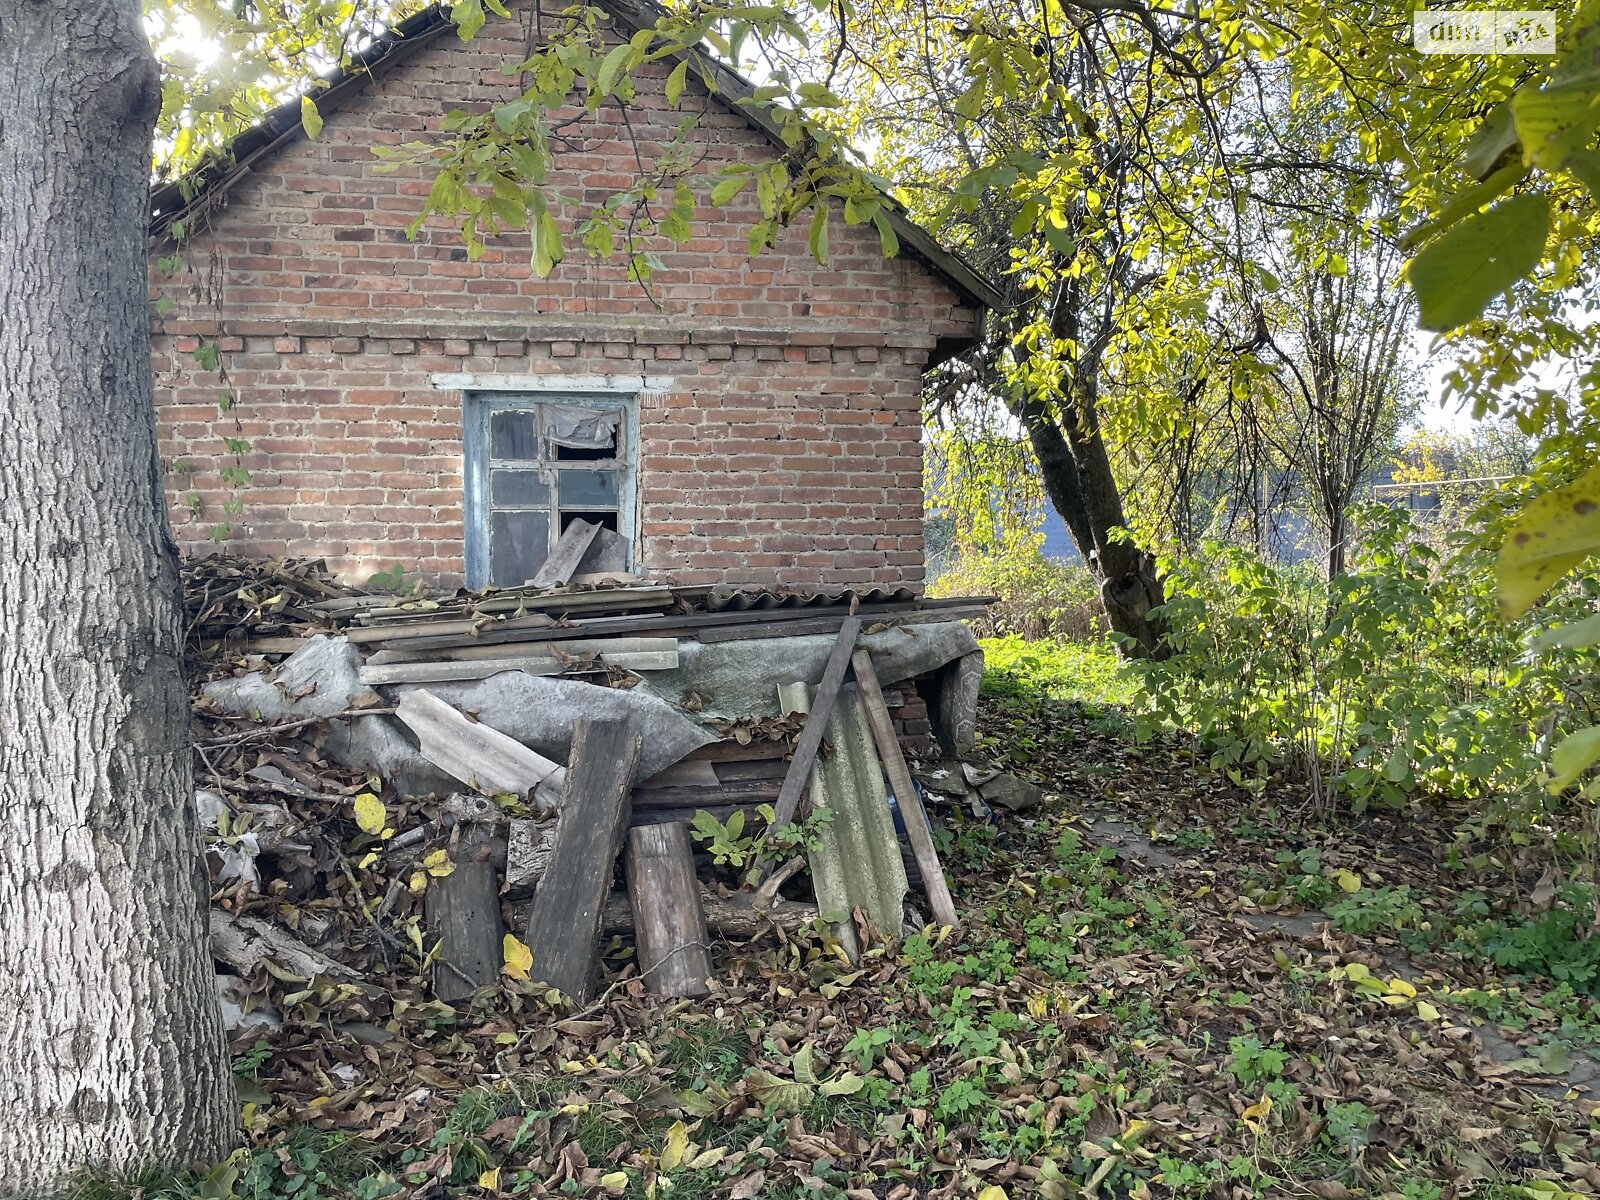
(750, 421)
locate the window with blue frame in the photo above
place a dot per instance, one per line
(536, 463)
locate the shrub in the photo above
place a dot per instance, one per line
(1039, 597)
(1398, 678)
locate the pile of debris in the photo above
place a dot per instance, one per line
(395, 784)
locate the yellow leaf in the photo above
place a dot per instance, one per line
(1427, 1011)
(1401, 988)
(993, 1192)
(677, 1147)
(518, 958)
(1038, 1004)
(616, 1182)
(1257, 1113)
(1348, 881)
(708, 1158)
(367, 859)
(1553, 534)
(489, 1181)
(310, 118)
(418, 883)
(370, 813)
(438, 864)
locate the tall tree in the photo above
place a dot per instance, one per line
(114, 1052)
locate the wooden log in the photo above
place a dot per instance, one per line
(529, 845)
(669, 930)
(463, 911)
(564, 927)
(485, 759)
(245, 943)
(731, 918)
(732, 750)
(918, 830)
(810, 740)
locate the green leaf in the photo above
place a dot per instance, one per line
(847, 1084)
(1553, 122)
(887, 236)
(1553, 534)
(1576, 753)
(676, 82)
(1577, 636)
(468, 17)
(310, 118)
(611, 68)
(817, 240)
(1468, 200)
(1584, 166)
(1495, 136)
(728, 189)
(1457, 274)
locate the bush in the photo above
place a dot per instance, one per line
(1039, 597)
(1398, 678)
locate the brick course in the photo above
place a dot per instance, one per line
(779, 428)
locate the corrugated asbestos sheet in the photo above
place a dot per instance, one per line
(858, 863)
(718, 600)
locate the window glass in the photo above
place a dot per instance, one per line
(520, 488)
(513, 435)
(519, 542)
(588, 489)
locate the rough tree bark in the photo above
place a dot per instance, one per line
(114, 1051)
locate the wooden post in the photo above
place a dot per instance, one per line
(564, 928)
(918, 830)
(810, 740)
(463, 910)
(669, 929)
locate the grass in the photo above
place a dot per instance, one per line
(1088, 673)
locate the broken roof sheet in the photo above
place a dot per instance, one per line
(183, 198)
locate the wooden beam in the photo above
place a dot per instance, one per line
(564, 927)
(918, 829)
(692, 796)
(463, 910)
(810, 740)
(669, 930)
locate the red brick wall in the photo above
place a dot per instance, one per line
(785, 446)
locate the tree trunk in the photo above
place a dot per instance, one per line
(1079, 481)
(114, 1051)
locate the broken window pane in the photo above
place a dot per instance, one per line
(524, 488)
(582, 428)
(519, 542)
(513, 435)
(588, 489)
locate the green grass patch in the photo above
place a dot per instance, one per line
(1089, 673)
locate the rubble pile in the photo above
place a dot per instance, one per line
(408, 799)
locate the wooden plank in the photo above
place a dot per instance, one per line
(570, 548)
(669, 929)
(463, 910)
(918, 829)
(451, 672)
(466, 627)
(810, 740)
(751, 791)
(530, 649)
(684, 774)
(730, 918)
(732, 750)
(564, 927)
(484, 759)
